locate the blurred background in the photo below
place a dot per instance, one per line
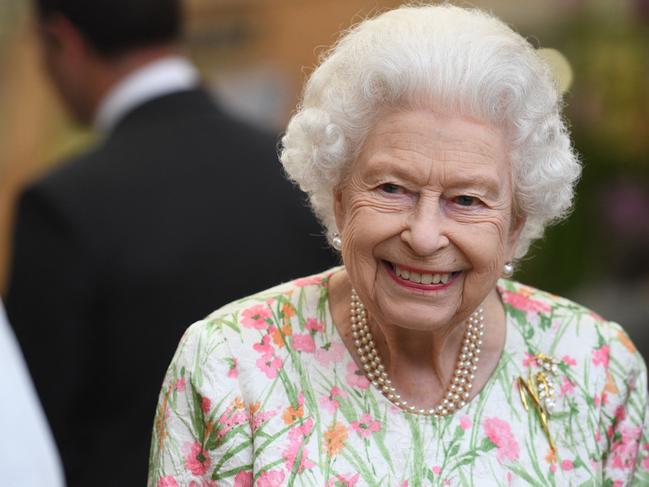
(254, 54)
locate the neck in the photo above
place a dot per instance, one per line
(109, 72)
(421, 363)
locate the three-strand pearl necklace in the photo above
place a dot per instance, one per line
(458, 391)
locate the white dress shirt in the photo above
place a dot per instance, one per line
(28, 455)
(158, 78)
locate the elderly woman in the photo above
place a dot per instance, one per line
(432, 149)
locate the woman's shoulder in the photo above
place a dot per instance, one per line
(556, 323)
(234, 321)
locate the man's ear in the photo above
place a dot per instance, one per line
(61, 36)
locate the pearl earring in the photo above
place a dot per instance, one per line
(508, 269)
(336, 241)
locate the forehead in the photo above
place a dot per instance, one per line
(424, 143)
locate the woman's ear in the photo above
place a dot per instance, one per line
(339, 206)
(515, 228)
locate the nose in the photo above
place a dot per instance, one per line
(425, 231)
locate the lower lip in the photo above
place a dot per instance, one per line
(418, 286)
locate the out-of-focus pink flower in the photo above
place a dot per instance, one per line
(256, 317)
(437, 469)
(303, 342)
(500, 434)
(197, 460)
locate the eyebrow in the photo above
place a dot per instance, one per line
(382, 165)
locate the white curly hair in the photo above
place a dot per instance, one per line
(448, 59)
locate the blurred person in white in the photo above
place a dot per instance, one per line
(28, 456)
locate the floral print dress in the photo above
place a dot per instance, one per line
(264, 392)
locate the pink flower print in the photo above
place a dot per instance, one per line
(206, 405)
(553, 468)
(257, 317)
(243, 479)
(180, 384)
(404, 484)
(330, 353)
(465, 422)
(620, 413)
(308, 281)
(600, 356)
(330, 403)
(625, 449)
(233, 371)
(645, 463)
(567, 465)
(355, 377)
(204, 483)
(524, 303)
(366, 425)
(230, 418)
(567, 387)
(568, 360)
(269, 364)
(270, 478)
(259, 418)
(500, 434)
(598, 436)
(197, 459)
(167, 481)
(290, 454)
(263, 347)
(303, 342)
(437, 469)
(314, 325)
(344, 480)
(528, 360)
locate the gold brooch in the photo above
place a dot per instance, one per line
(542, 390)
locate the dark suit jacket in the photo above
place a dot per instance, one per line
(179, 211)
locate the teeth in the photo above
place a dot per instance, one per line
(421, 278)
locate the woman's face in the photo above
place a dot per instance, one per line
(426, 218)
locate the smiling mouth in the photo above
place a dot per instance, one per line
(420, 277)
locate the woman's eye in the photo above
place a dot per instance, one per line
(391, 188)
(466, 200)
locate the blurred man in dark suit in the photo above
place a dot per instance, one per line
(176, 211)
